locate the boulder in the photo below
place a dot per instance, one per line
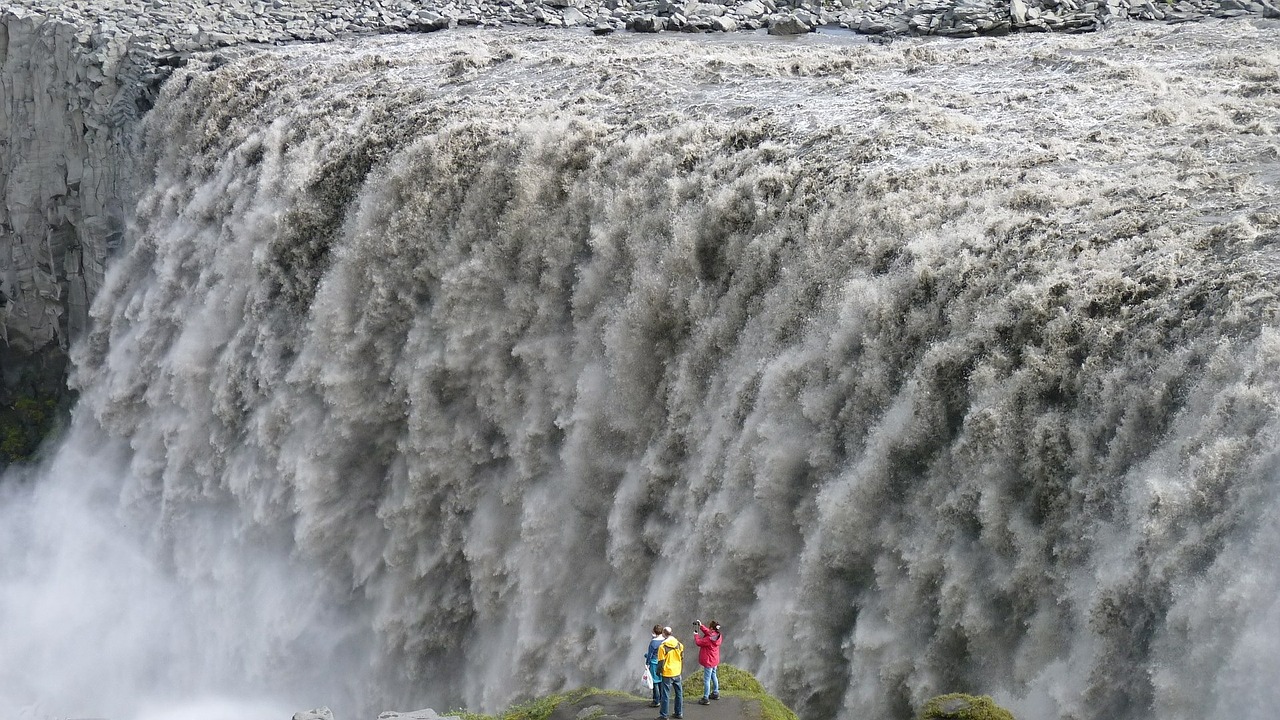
(647, 24)
(423, 714)
(787, 24)
(958, 706)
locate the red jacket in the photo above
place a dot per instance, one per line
(708, 647)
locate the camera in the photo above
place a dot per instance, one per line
(697, 624)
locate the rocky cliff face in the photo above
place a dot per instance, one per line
(70, 96)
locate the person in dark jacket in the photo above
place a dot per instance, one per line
(708, 640)
(651, 659)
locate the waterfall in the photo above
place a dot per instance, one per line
(436, 370)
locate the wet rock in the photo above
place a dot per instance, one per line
(787, 24)
(647, 24)
(424, 714)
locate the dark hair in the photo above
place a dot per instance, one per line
(714, 626)
(657, 629)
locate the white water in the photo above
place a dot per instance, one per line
(440, 368)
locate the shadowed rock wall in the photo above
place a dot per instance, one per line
(69, 99)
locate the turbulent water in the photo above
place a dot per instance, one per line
(438, 369)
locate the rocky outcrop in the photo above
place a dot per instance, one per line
(70, 95)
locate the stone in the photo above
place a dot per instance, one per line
(646, 24)
(323, 713)
(787, 24)
(424, 714)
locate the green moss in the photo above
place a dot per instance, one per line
(958, 706)
(23, 425)
(736, 682)
(731, 678)
(540, 708)
(772, 708)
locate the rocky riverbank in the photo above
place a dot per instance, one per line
(186, 26)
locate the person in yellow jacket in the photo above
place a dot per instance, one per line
(670, 664)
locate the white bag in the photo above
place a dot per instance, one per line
(647, 680)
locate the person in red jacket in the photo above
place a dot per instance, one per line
(708, 640)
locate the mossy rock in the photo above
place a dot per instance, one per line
(958, 706)
(35, 402)
(23, 426)
(739, 683)
(543, 707)
(744, 698)
(731, 678)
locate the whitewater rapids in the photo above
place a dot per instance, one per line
(437, 369)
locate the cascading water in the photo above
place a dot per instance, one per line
(438, 369)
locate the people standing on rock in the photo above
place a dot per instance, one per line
(670, 660)
(708, 640)
(651, 660)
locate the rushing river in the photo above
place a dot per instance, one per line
(437, 369)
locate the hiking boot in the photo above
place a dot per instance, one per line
(678, 716)
(715, 696)
(654, 704)
(704, 701)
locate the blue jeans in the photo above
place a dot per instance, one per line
(710, 682)
(669, 686)
(657, 681)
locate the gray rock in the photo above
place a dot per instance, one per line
(424, 714)
(807, 18)
(323, 713)
(787, 24)
(647, 24)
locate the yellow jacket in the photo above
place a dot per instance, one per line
(670, 657)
